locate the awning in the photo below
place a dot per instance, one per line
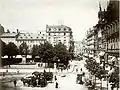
(91, 56)
(37, 57)
(29, 56)
(5, 56)
(101, 53)
(18, 56)
(85, 54)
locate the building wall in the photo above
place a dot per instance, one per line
(59, 33)
(90, 41)
(31, 39)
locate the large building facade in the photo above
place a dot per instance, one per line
(53, 34)
(59, 33)
(103, 39)
(18, 38)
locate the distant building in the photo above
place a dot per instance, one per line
(59, 33)
(31, 39)
(90, 41)
(9, 37)
(78, 50)
(53, 34)
(18, 38)
(110, 32)
(1, 29)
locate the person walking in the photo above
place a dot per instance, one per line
(15, 82)
(81, 74)
(56, 85)
(55, 78)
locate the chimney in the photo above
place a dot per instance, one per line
(17, 31)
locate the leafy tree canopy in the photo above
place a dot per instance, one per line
(11, 49)
(23, 49)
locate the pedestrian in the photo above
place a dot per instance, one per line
(56, 85)
(55, 78)
(15, 82)
(3, 74)
(6, 70)
(76, 69)
(41, 64)
(18, 71)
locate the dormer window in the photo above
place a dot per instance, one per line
(49, 34)
(21, 37)
(64, 29)
(69, 29)
(59, 29)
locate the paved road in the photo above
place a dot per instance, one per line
(65, 83)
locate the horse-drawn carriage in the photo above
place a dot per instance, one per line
(38, 79)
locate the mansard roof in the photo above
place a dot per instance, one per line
(62, 27)
(31, 36)
(9, 35)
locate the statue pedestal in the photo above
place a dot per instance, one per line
(23, 59)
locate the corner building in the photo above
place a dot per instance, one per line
(59, 33)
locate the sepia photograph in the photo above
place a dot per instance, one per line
(59, 45)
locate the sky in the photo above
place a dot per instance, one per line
(34, 15)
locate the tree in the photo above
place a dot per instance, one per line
(23, 49)
(61, 52)
(1, 29)
(34, 52)
(46, 52)
(3, 48)
(11, 50)
(114, 77)
(94, 68)
(41, 51)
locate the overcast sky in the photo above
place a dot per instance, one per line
(33, 15)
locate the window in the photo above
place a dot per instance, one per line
(31, 37)
(49, 37)
(42, 37)
(49, 29)
(59, 29)
(64, 29)
(49, 34)
(36, 37)
(69, 29)
(64, 34)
